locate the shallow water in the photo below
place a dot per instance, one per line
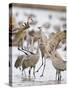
(34, 82)
(49, 74)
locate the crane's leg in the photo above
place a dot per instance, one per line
(29, 72)
(42, 59)
(19, 44)
(24, 72)
(59, 76)
(43, 68)
(22, 41)
(28, 43)
(41, 65)
(32, 43)
(34, 71)
(56, 75)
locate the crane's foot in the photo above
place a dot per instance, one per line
(34, 76)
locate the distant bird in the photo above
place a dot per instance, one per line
(50, 16)
(57, 28)
(62, 18)
(31, 15)
(46, 25)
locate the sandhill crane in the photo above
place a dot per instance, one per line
(51, 45)
(42, 42)
(32, 37)
(42, 47)
(19, 36)
(28, 61)
(58, 63)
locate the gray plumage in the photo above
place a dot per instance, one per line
(27, 61)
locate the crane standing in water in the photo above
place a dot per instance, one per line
(28, 61)
(49, 50)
